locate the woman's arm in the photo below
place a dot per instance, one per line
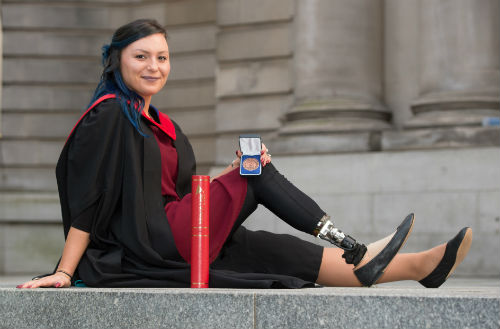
(76, 244)
(235, 164)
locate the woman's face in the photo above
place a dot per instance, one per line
(145, 65)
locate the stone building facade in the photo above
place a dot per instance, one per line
(376, 108)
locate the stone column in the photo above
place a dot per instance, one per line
(1, 80)
(337, 71)
(401, 59)
(459, 63)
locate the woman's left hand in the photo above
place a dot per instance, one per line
(265, 156)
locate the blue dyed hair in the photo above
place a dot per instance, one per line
(111, 79)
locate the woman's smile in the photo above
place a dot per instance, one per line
(150, 78)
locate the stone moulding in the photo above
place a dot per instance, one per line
(230, 308)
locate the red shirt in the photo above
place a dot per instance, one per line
(165, 135)
(227, 194)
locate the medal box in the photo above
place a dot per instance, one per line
(250, 146)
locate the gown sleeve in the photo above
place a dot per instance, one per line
(93, 162)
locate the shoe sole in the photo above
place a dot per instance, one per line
(462, 250)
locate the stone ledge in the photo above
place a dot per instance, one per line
(440, 137)
(386, 306)
(28, 207)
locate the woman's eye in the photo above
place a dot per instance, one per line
(163, 58)
(140, 56)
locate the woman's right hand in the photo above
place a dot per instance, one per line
(265, 157)
(56, 280)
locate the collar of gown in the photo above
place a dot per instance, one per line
(165, 124)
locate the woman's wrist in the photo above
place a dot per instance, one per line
(235, 163)
(65, 273)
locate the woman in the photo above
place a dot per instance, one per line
(124, 184)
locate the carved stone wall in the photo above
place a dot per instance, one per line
(373, 107)
(51, 60)
(384, 110)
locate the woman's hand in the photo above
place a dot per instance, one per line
(76, 243)
(265, 157)
(56, 280)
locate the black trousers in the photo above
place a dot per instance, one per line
(272, 190)
(246, 251)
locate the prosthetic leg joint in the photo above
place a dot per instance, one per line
(326, 230)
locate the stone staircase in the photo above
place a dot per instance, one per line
(460, 303)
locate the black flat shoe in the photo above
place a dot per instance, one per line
(370, 272)
(456, 250)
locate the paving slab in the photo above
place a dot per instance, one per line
(460, 303)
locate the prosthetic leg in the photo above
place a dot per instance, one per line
(375, 257)
(353, 251)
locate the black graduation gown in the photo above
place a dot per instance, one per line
(109, 176)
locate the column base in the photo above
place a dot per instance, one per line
(314, 116)
(440, 137)
(331, 125)
(445, 109)
(448, 120)
(326, 143)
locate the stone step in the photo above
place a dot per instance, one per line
(88, 71)
(51, 70)
(29, 207)
(174, 95)
(33, 152)
(39, 15)
(254, 78)
(104, 16)
(187, 38)
(262, 113)
(38, 124)
(464, 304)
(34, 124)
(253, 42)
(30, 152)
(45, 98)
(62, 43)
(16, 178)
(54, 43)
(240, 12)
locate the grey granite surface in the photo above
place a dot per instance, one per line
(125, 308)
(460, 303)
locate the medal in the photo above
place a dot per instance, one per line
(250, 164)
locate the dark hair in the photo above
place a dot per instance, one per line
(111, 79)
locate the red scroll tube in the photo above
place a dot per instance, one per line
(199, 228)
